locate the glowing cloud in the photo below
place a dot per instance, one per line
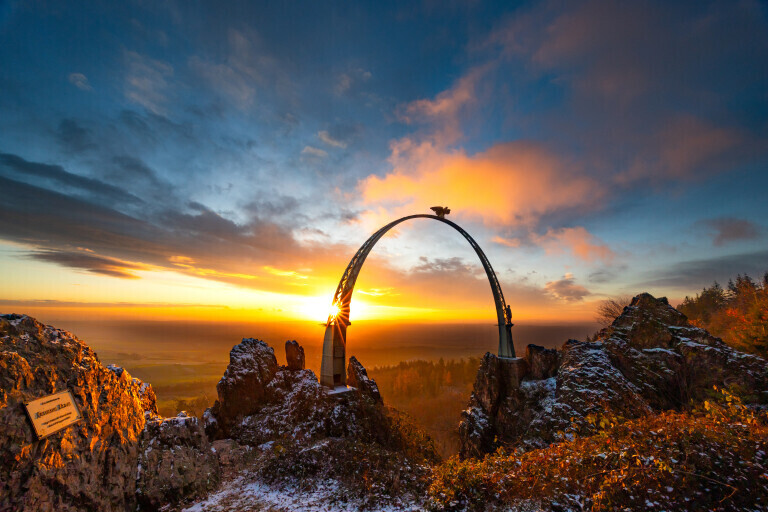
(511, 183)
(509, 242)
(578, 241)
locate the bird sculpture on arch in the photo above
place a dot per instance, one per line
(333, 365)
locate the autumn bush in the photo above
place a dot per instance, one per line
(738, 313)
(712, 457)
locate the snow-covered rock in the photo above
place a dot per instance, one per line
(651, 358)
(176, 461)
(243, 388)
(260, 401)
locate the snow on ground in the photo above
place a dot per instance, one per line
(244, 494)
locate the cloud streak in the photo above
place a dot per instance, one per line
(698, 273)
(147, 81)
(90, 262)
(80, 81)
(725, 230)
(55, 174)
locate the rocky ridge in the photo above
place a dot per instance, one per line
(274, 428)
(115, 458)
(650, 359)
(271, 421)
(343, 443)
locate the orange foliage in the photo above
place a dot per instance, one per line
(710, 459)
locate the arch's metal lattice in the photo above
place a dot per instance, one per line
(333, 369)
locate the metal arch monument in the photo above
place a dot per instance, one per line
(333, 366)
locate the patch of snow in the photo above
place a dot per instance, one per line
(116, 369)
(339, 390)
(16, 321)
(660, 350)
(325, 496)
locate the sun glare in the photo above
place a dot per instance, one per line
(317, 309)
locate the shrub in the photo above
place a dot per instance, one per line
(715, 458)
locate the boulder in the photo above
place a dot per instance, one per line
(294, 355)
(243, 388)
(357, 377)
(90, 465)
(176, 461)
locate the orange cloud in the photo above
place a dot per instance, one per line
(509, 242)
(284, 273)
(580, 242)
(444, 110)
(511, 183)
(188, 264)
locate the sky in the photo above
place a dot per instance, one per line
(225, 160)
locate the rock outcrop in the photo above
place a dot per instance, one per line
(542, 362)
(294, 355)
(243, 388)
(176, 461)
(301, 432)
(651, 358)
(357, 377)
(291, 405)
(93, 464)
(88, 466)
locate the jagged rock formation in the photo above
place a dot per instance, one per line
(93, 464)
(260, 401)
(243, 388)
(294, 355)
(90, 465)
(343, 439)
(651, 358)
(357, 377)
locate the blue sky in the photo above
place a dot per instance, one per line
(593, 149)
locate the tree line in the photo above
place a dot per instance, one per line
(738, 313)
(432, 392)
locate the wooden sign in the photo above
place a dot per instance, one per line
(52, 413)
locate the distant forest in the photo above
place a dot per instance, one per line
(738, 314)
(433, 393)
